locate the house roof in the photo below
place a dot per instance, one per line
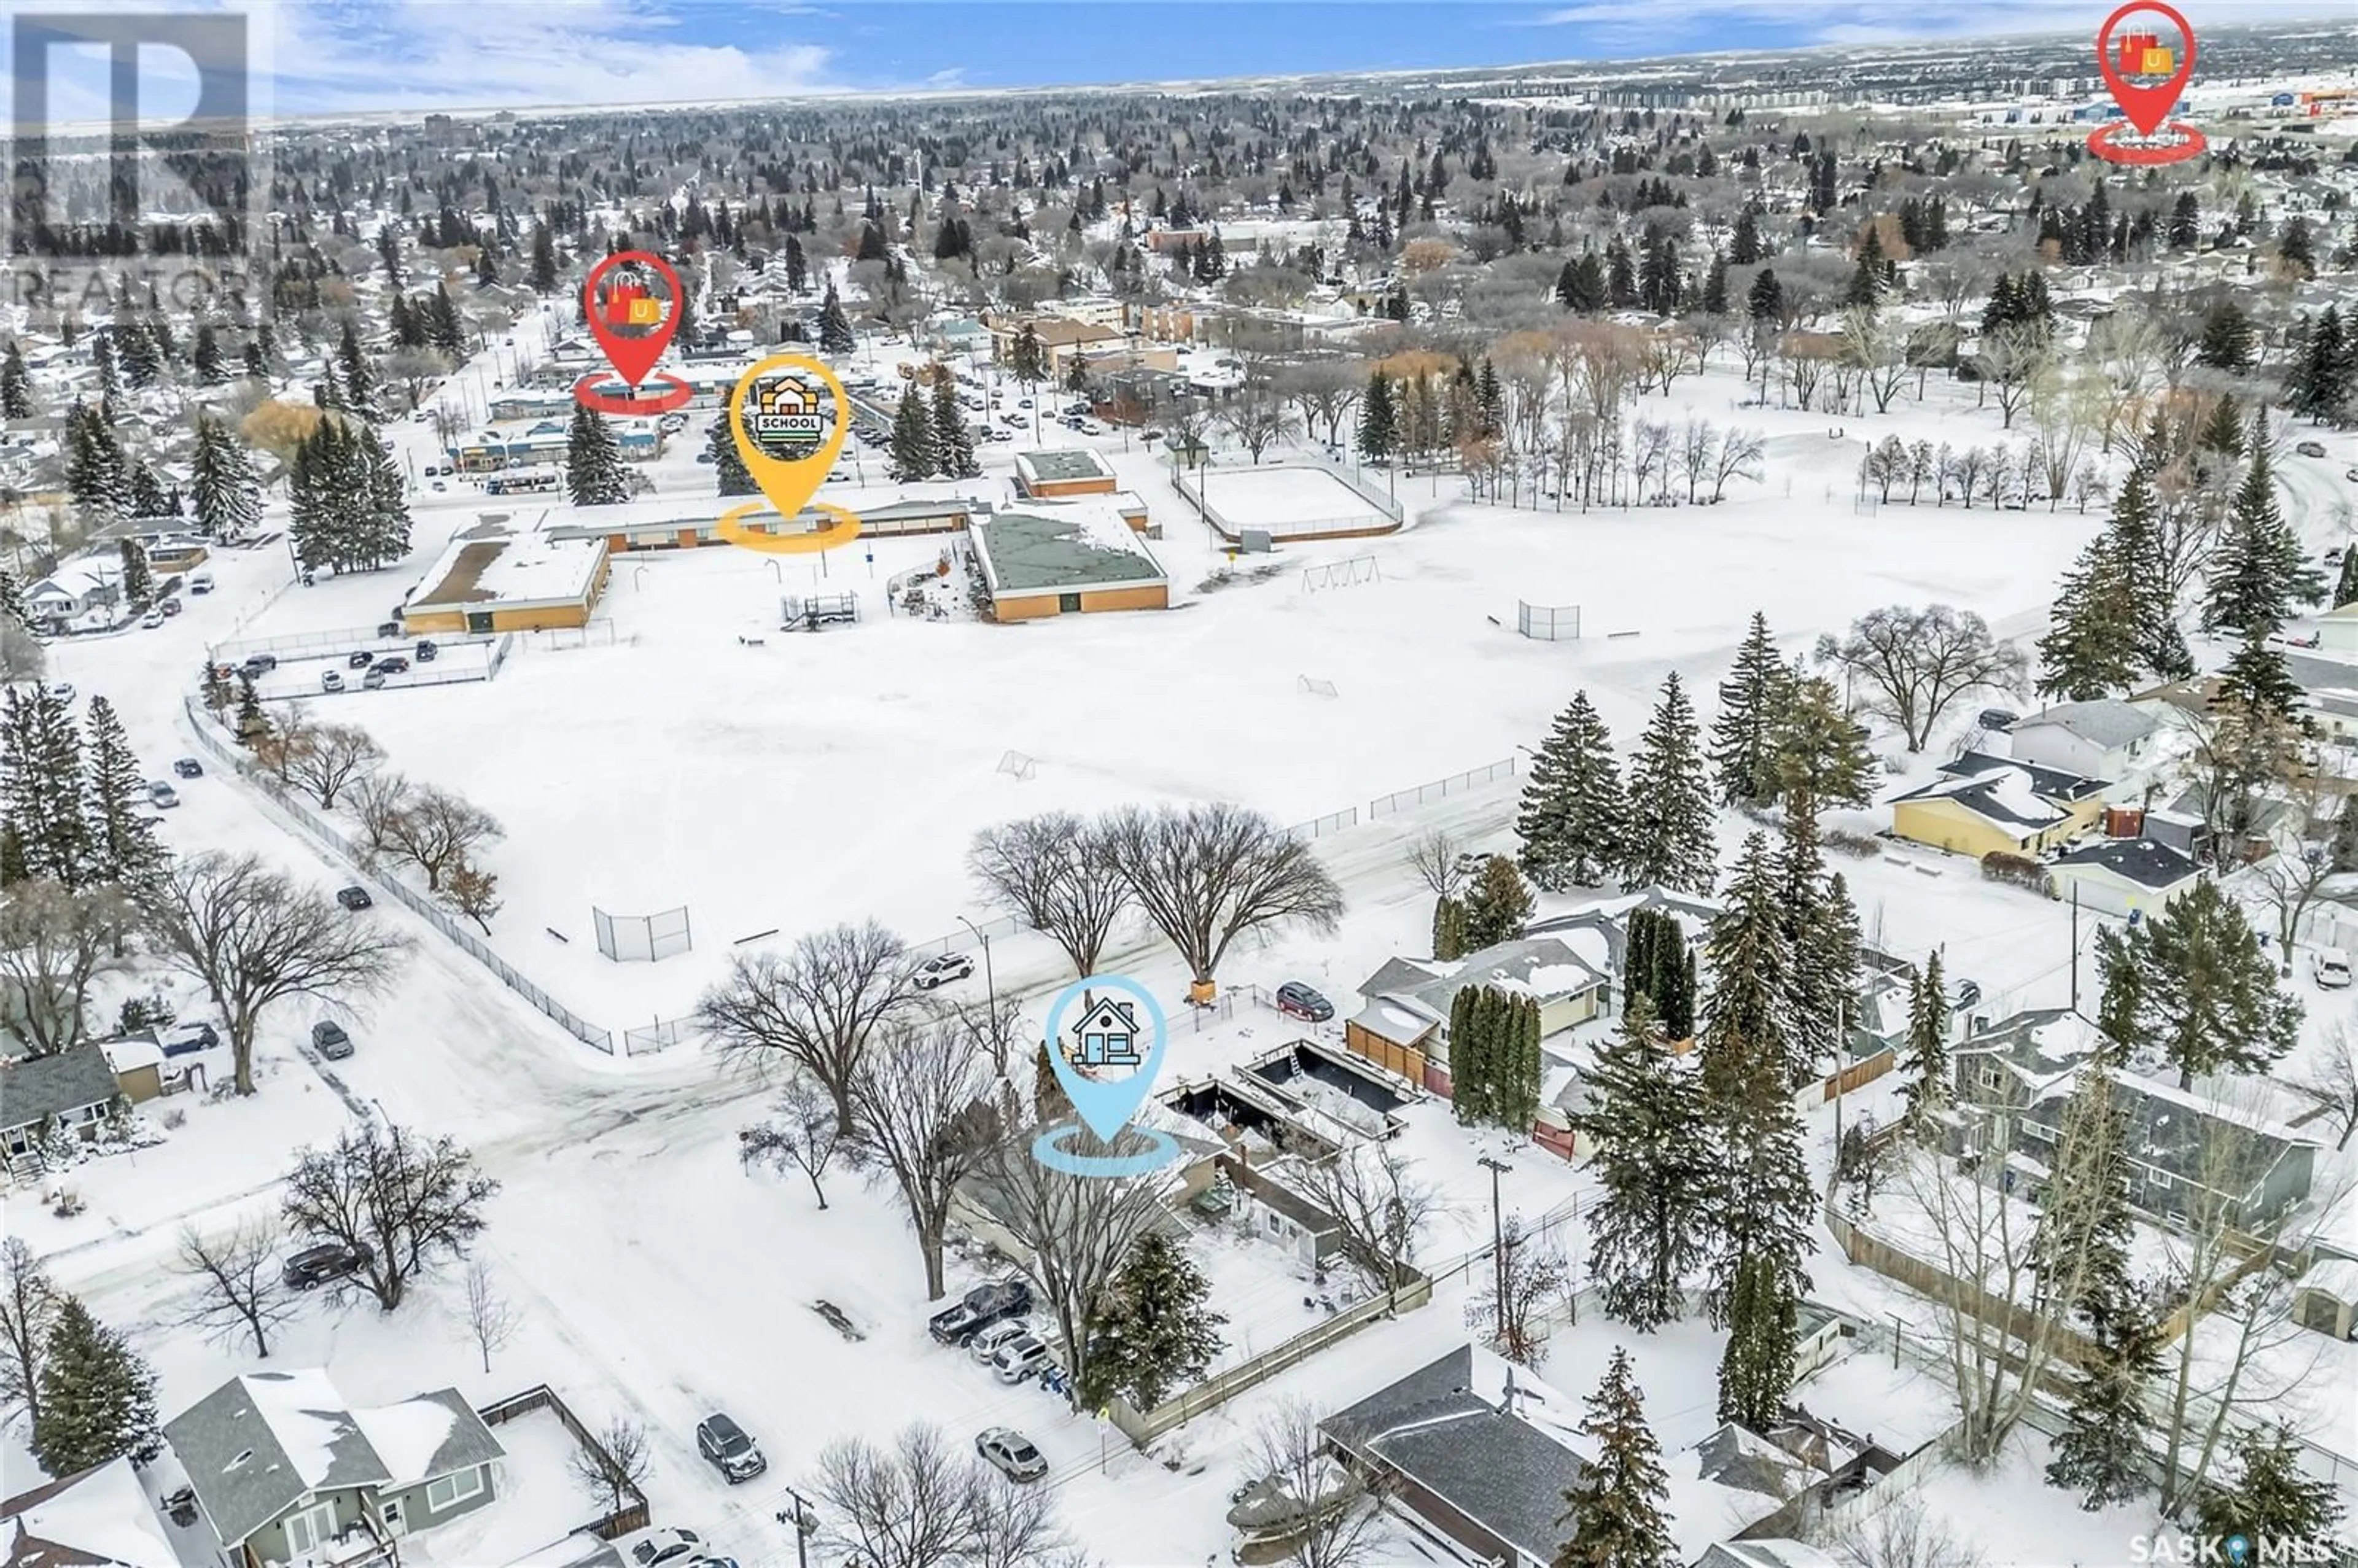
(2335, 1277)
(2148, 862)
(1402, 1019)
(34, 1087)
(1500, 1471)
(2047, 784)
(98, 1518)
(2039, 1046)
(258, 1442)
(1549, 968)
(2108, 722)
(1768, 1553)
(2000, 791)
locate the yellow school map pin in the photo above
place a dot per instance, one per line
(789, 415)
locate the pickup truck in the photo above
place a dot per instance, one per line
(985, 1304)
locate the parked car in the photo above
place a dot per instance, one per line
(188, 1038)
(188, 768)
(992, 1340)
(941, 972)
(359, 659)
(329, 1261)
(662, 1546)
(426, 652)
(373, 681)
(1010, 1454)
(726, 1448)
(330, 1041)
(1150, 434)
(168, 608)
(355, 897)
(152, 620)
(1998, 719)
(391, 665)
(162, 797)
(2311, 448)
(985, 1304)
(1295, 999)
(388, 628)
(263, 661)
(201, 583)
(63, 691)
(1025, 1356)
(331, 680)
(439, 485)
(2329, 967)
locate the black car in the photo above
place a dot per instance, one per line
(359, 659)
(1997, 717)
(982, 1306)
(188, 768)
(1297, 1000)
(354, 897)
(318, 1265)
(725, 1445)
(425, 651)
(388, 628)
(391, 665)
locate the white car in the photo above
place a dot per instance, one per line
(941, 972)
(152, 620)
(1022, 1357)
(662, 1546)
(63, 691)
(1010, 1454)
(992, 1340)
(2329, 967)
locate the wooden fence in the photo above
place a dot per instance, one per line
(633, 1514)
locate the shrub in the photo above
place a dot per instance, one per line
(2020, 870)
(1858, 845)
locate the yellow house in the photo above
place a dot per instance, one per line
(1987, 805)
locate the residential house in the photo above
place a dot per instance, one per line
(98, 1518)
(2337, 631)
(285, 1469)
(2187, 1151)
(1404, 1026)
(2132, 877)
(84, 595)
(1983, 804)
(1609, 919)
(1059, 340)
(2103, 740)
(2328, 685)
(1471, 1470)
(75, 1088)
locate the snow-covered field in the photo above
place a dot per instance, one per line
(1249, 497)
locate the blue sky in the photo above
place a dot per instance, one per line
(326, 56)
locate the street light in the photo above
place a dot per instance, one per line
(1498, 1243)
(990, 987)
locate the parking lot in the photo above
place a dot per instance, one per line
(360, 665)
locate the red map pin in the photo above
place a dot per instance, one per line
(632, 320)
(2138, 52)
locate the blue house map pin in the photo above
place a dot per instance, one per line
(1108, 1033)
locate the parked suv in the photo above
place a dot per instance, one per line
(188, 1038)
(359, 659)
(391, 665)
(941, 972)
(2329, 967)
(354, 897)
(1297, 1000)
(982, 1306)
(725, 1445)
(330, 1041)
(318, 1265)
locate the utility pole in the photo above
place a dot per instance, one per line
(2075, 944)
(989, 986)
(1497, 1244)
(803, 1521)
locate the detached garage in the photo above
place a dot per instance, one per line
(2124, 876)
(1066, 559)
(490, 579)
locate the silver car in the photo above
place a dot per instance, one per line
(1010, 1454)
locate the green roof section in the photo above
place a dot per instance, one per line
(1032, 551)
(1065, 464)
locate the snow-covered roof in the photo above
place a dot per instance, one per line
(1053, 547)
(2107, 722)
(99, 1519)
(504, 568)
(2335, 1277)
(2148, 862)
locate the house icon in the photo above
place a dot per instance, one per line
(1108, 1035)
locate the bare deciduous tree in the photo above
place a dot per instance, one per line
(1739, 457)
(28, 1306)
(613, 1468)
(379, 799)
(1381, 1204)
(1530, 1278)
(2331, 1080)
(1918, 662)
(239, 1292)
(922, 1504)
(473, 892)
(54, 941)
(927, 1120)
(438, 830)
(332, 758)
(806, 1134)
(2011, 360)
(816, 1006)
(1903, 1536)
(1334, 1515)
(492, 1318)
(1053, 871)
(1438, 859)
(1259, 419)
(405, 1201)
(1206, 873)
(1073, 1231)
(254, 938)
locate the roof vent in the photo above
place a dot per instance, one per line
(240, 1459)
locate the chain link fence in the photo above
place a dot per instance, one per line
(1456, 783)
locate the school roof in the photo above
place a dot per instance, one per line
(483, 570)
(1048, 548)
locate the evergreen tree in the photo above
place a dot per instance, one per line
(1156, 1330)
(444, 329)
(834, 326)
(207, 357)
(1823, 928)
(40, 783)
(103, 356)
(2317, 388)
(1865, 291)
(1743, 247)
(1818, 753)
(138, 578)
(381, 532)
(359, 377)
(228, 496)
(95, 474)
(388, 250)
(1569, 824)
(1766, 297)
(1469, 1055)
(1497, 905)
(142, 361)
(1764, 1209)
(1749, 700)
(2257, 678)
(2261, 573)
(146, 493)
(1668, 838)
(2226, 340)
(1925, 1063)
(728, 462)
(1449, 926)
(1618, 1508)
(953, 443)
(2205, 992)
(322, 504)
(98, 1398)
(2186, 222)
(1654, 1159)
(2345, 591)
(1377, 418)
(542, 272)
(121, 833)
(1714, 285)
(2273, 1504)
(16, 385)
(913, 437)
(1755, 1370)
(1748, 1019)
(594, 475)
